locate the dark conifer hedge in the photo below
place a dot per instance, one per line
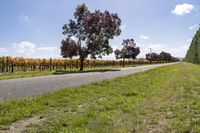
(193, 54)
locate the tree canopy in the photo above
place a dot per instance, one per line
(163, 56)
(152, 57)
(92, 31)
(129, 50)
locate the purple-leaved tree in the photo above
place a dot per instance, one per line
(92, 32)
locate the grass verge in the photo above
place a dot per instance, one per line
(160, 100)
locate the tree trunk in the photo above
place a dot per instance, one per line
(65, 66)
(123, 62)
(7, 65)
(81, 54)
(3, 67)
(50, 65)
(81, 64)
(12, 67)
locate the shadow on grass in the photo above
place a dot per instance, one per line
(85, 71)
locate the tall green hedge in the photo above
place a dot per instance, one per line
(193, 54)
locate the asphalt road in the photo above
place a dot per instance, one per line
(20, 88)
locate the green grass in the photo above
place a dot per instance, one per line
(24, 74)
(44, 73)
(160, 100)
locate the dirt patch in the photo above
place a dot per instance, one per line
(158, 128)
(22, 125)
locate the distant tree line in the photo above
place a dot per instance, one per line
(193, 54)
(162, 57)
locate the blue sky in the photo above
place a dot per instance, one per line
(33, 28)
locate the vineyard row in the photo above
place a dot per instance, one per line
(16, 64)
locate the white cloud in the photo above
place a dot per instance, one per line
(24, 17)
(182, 9)
(111, 56)
(115, 47)
(146, 49)
(189, 40)
(176, 51)
(144, 37)
(29, 49)
(4, 51)
(47, 52)
(73, 38)
(122, 27)
(46, 49)
(179, 51)
(156, 47)
(193, 27)
(26, 48)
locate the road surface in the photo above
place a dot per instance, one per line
(20, 88)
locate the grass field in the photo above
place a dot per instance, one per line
(166, 99)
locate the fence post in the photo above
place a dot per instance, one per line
(12, 67)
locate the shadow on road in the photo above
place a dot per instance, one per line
(85, 71)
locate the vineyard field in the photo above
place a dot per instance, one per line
(18, 64)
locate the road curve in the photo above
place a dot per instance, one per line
(19, 88)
